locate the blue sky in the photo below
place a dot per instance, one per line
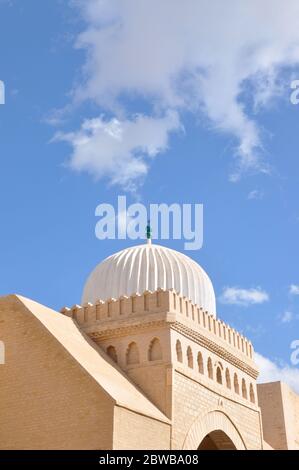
(217, 128)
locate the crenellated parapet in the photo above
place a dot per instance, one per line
(179, 310)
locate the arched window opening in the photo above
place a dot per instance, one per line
(252, 397)
(200, 363)
(227, 379)
(190, 357)
(155, 350)
(219, 375)
(132, 354)
(210, 369)
(236, 384)
(244, 389)
(111, 351)
(179, 354)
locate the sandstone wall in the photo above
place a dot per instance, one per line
(47, 400)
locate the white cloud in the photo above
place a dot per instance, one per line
(195, 55)
(272, 372)
(119, 149)
(255, 194)
(287, 317)
(243, 297)
(294, 289)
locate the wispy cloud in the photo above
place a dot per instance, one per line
(255, 194)
(256, 330)
(294, 289)
(118, 149)
(182, 56)
(272, 372)
(243, 297)
(287, 317)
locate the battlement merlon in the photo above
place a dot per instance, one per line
(115, 313)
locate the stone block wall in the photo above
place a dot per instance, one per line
(280, 415)
(134, 431)
(47, 400)
(193, 401)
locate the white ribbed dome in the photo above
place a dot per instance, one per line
(149, 267)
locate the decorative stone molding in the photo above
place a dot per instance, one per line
(212, 346)
(161, 301)
(220, 390)
(126, 330)
(214, 420)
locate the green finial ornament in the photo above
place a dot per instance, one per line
(148, 232)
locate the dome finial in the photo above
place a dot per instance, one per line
(149, 232)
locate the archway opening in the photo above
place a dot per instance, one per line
(217, 440)
(111, 351)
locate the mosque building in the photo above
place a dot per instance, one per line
(143, 363)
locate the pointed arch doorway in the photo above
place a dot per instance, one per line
(217, 440)
(214, 431)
